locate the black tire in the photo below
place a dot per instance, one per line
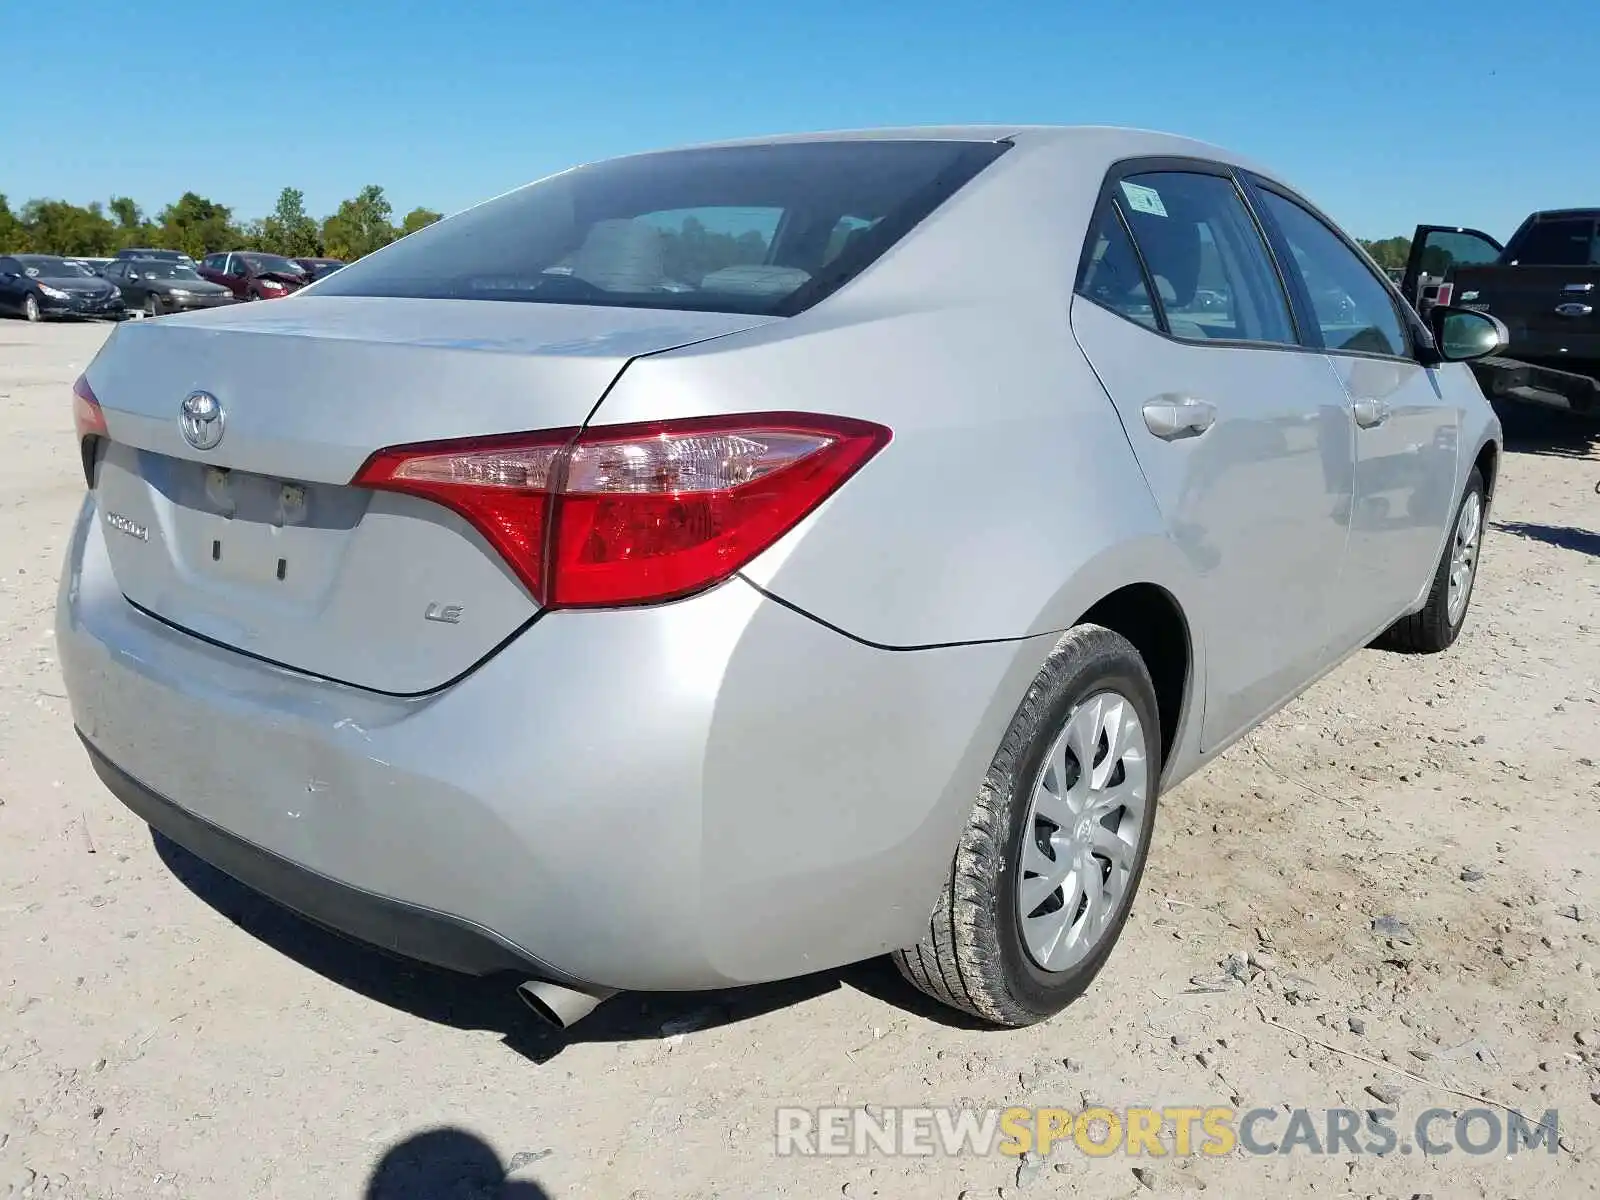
(31, 311)
(1430, 629)
(973, 956)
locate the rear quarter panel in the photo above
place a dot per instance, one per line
(1007, 503)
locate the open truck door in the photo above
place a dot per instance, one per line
(1435, 249)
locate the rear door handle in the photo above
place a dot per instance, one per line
(1370, 412)
(1174, 417)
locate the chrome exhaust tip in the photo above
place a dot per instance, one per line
(562, 1007)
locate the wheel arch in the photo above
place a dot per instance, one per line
(1153, 620)
(1488, 463)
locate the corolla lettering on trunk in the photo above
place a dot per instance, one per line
(448, 614)
(128, 526)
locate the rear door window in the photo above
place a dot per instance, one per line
(1213, 276)
(766, 229)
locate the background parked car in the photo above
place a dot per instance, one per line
(316, 268)
(36, 286)
(251, 275)
(146, 252)
(97, 266)
(158, 286)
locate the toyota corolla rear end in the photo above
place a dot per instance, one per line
(375, 604)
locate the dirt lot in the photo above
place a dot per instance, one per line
(164, 1034)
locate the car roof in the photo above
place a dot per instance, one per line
(1099, 144)
(1138, 141)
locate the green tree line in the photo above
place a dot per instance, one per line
(1389, 252)
(360, 225)
(198, 226)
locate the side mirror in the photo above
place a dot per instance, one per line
(1462, 334)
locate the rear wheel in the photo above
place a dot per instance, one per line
(1046, 870)
(1437, 624)
(30, 308)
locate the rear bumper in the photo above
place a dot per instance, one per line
(714, 792)
(1512, 379)
(400, 928)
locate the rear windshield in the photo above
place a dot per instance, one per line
(767, 229)
(1565, 243)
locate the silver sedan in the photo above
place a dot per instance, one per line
(716, 565)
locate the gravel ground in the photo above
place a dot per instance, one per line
(1387, 895)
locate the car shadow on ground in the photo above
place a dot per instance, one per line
(1530, 429)
(448, 1164)
(1567, 537)
(491, 1002)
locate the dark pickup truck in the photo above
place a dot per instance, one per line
(1543, 285)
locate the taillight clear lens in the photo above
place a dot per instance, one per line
(635, 514)
(87, 416)
(501, 486)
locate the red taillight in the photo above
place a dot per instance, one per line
(634, 514)
(86, 413)
(1446, 292)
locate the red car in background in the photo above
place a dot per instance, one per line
(251, 275)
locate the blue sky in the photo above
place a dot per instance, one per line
(1383, 118)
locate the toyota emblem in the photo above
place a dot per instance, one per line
(200, 418)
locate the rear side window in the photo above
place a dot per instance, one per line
(768, 229)
(1110, 274)
(1213, 277)
(1564, 243)
(1352, 308)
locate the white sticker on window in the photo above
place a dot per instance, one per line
(1144, 199)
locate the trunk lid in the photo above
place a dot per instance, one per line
(1552, 313)
(259, 544)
